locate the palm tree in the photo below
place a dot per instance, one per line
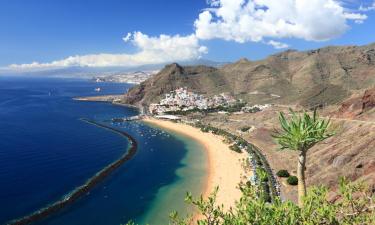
(301, 133)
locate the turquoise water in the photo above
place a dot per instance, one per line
(191, 178)
(46, 151)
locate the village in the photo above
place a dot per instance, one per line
(183, 100)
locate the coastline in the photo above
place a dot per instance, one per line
(224, 167)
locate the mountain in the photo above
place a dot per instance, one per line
(170, 78)
(130, 77)
(342, 77)
(323, 76)
(89, 72)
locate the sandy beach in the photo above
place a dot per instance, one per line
(224, 166)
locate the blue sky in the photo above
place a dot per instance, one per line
(53, 30)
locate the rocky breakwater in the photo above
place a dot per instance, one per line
(85, 188)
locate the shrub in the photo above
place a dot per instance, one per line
(283, 173)
(255, 109)
(292, 180)
(214, 130)
(235, 148)
(227, 140)
(265, 187)
(262, 174)
(205, 129)
(265, 193)
(244, 129)
(252, 210)
(242, 142)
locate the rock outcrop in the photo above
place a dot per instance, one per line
(368, 100)
(357, 105)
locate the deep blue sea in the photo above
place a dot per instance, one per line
(46, 152)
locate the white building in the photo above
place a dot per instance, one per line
(183, 100)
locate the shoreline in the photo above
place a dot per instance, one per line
(224, 166)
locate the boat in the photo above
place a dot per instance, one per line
(97, 89)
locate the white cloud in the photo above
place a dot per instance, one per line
(277, 45)
(367, 8)
(151, 50)
(127, 37)
(358, 18)
(253, 20)
(232, 20)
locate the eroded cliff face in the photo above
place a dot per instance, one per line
(351, 151)
(358, 106)
(368, 100)
(323, 76)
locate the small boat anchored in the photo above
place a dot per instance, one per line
(98, 89)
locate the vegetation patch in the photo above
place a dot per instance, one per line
(245, 129)
(262, 174)
(235, 148)
(283, 173)
(292, 180)
(252, 209)
(230, 109)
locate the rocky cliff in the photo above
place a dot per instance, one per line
(359, 106)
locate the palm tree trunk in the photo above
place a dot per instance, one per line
(301, 177)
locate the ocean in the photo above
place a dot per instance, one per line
(46, 151)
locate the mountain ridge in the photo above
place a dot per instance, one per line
(321, 76)
(89, 72)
